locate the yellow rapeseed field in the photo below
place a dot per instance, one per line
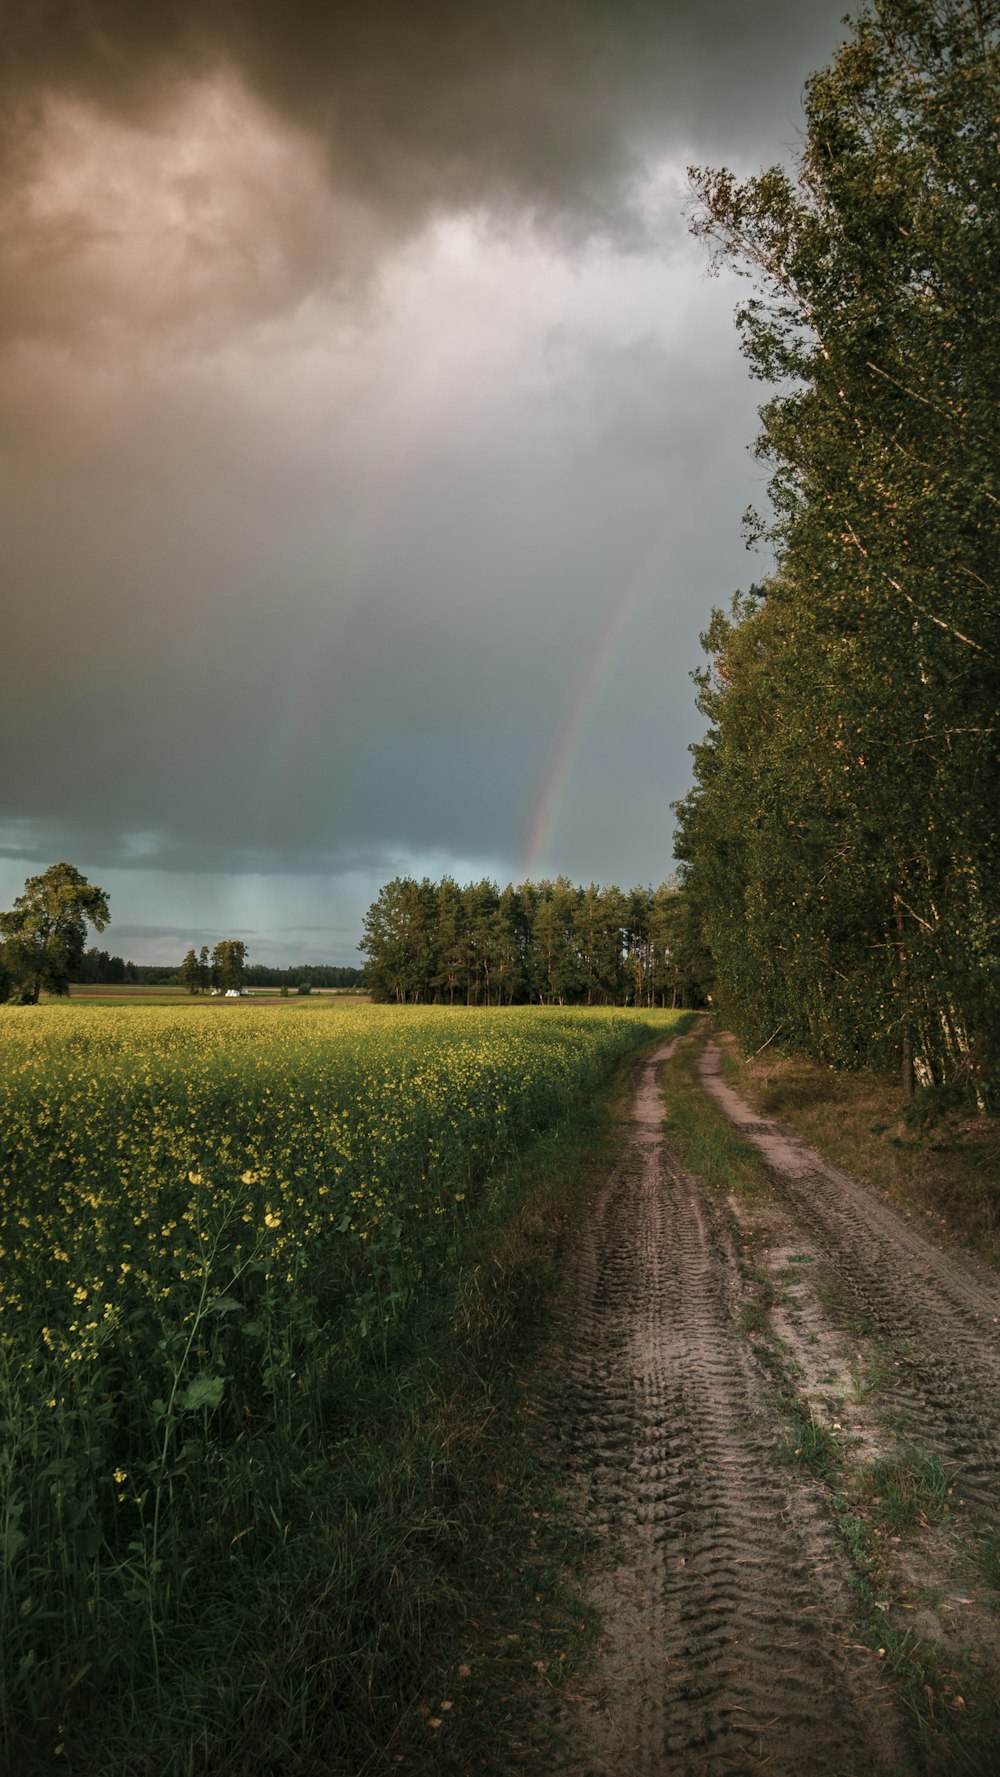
(137, 1138)
(205, 1213)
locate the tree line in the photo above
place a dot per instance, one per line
(100, 968)
(841, 844)
(227, 967)
(550, 943)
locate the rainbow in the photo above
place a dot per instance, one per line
(325, 673)
(681, 508)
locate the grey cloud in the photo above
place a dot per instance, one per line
(188, 934)
(297, 588)
(444, 102)
(340, 931)
(227, 686)
(551, 109)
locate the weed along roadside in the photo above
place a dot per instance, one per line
(268, 1495)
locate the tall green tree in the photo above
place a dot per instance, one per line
(189, 973)
(449, 980)
(398, 935)
(490, 942)
(844, 821)
(513, 943)
(42, 939)
(557, 973)
(598, 920)
(99, 967)
(682, 970)
(638, 960)
(228, 958)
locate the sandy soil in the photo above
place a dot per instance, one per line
(939, 1310)
(730, 1643)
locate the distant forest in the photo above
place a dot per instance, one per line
(98, 968)
(547, 943)
(842, 840)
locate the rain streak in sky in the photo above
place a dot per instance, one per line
(374, 442)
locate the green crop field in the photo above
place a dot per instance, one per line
(219, 1235)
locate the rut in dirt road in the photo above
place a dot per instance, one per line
(941, 1311)
(726, 1644)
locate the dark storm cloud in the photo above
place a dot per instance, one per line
(441, 101)
(415, 108)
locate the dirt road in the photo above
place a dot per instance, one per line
(942, 1312)
(728, 1598)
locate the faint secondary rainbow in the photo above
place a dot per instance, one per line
(677, 514)
(295, 720)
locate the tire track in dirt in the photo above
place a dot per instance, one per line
(726, 1645)
(941, 1312)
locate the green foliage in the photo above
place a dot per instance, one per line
(909, 1488)
(547, 943)
(810, 1442)
(228, 958)
(189, 973)
(99, 968)
(317, 975)
(42, 939)
(842, 843)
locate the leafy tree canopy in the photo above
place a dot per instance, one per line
(842, 841)
(550, 943)
(228, 958)
(42, 939)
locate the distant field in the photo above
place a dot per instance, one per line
(172, 996)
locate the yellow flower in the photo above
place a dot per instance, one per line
(271, 1220)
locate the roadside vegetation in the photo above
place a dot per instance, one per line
(942, 1164)
(265, 1497)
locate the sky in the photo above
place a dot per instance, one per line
(373, 442)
